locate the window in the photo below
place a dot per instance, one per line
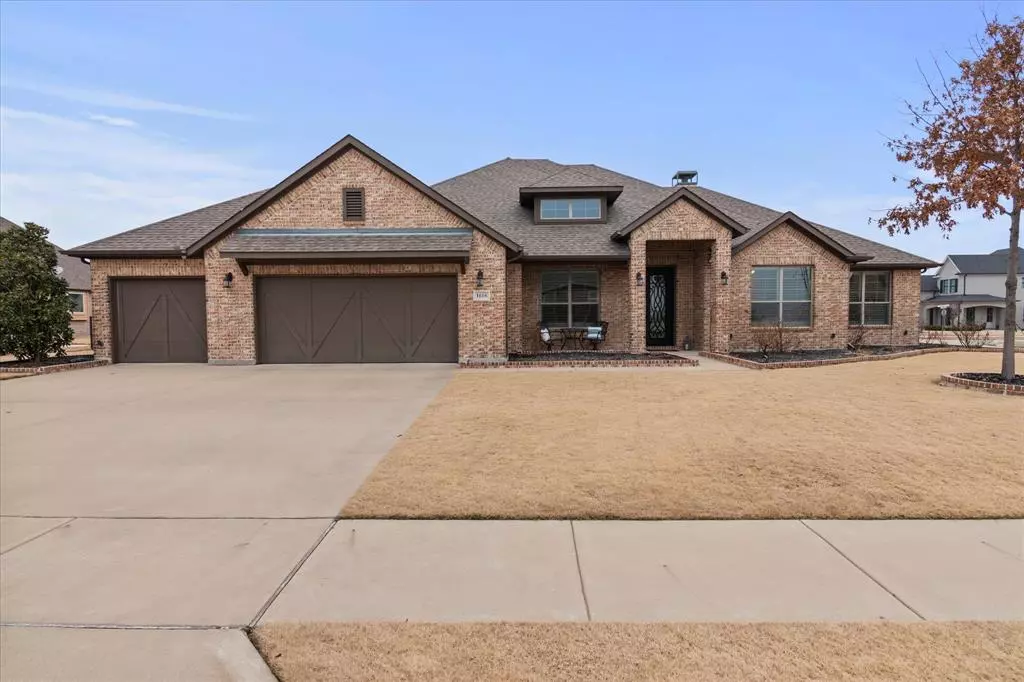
(353, 204)
(990, 314)
(948, 286)
(570, 209)
(781, 295)
(77, 303)
(870, 303)
(970, 316)
(568, 298)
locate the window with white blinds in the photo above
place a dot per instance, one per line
(781, 294)
(870, 299)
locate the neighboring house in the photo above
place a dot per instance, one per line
(352, 259)
(77, 275)
(971, 288)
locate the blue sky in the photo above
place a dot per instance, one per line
(114, 115)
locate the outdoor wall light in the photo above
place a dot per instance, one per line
(479, 279)
(724, 277)
(639, 279)
(228, 279)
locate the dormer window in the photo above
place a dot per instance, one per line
(570, 209)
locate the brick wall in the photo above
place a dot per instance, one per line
(389, 200)
(786, 245)
(104, 269)
(905, 328)
(682, 222)
(613, 302)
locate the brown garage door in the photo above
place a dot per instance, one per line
(357, 319)
(160, 320)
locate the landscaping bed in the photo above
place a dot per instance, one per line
(583, 358)
(50, 365)
(865, 441)
(914, 652)
(827, 354)
(991, 382)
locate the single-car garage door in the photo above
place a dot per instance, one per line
(357, 319)
(160, 320)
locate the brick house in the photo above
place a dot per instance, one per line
(353, 259)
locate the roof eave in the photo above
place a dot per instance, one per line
(808, 229)
(907, 265)
(311, 167)
(126, 253)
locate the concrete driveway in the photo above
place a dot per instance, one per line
(194, 441)
(179, 497)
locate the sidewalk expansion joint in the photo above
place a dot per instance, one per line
(865, 572)
(39, 535)
(291, 574)
(579, 569)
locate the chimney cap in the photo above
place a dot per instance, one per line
(685, 177)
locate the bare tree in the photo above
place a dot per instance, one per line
(969, 146)
(774, 339)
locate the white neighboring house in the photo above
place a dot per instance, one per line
(974, 286)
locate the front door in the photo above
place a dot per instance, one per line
(661, 306)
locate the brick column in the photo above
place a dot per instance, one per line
(637, 295)
(514, 306)
(721, 261)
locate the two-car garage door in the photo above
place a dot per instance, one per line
(299, 319)
(356, 319)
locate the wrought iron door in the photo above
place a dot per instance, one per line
(661, 306)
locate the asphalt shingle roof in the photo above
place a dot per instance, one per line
(491, 194)
(170, 235)
(978, 264)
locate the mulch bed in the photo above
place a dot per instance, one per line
(50, 365)
(826, 354)
(589, 359)
(992, 377)
(23, 365)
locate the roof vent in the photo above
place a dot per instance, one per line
(684, 178)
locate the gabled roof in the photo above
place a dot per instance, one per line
(929, 283)
(325, 157)
(977, 264)
(488, 198)
(807, 228)
(686, 195)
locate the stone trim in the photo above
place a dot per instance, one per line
(987, 386)
(52, 369)
(750, 364)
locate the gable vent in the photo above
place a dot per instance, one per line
(352, 204)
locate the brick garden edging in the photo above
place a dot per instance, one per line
(974, 384)
(565, 364)
(750, 364)
(51, 369)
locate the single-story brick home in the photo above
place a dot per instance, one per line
(353, 259)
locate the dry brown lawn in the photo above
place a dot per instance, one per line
(865, 440)
(648, 651)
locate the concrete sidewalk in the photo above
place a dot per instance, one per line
(80, 598)
(660, 571)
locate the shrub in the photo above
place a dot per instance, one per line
(774, 338)
(35, 310)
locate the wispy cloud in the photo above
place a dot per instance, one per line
(87, 179)
(117, 100)
(113, 121)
